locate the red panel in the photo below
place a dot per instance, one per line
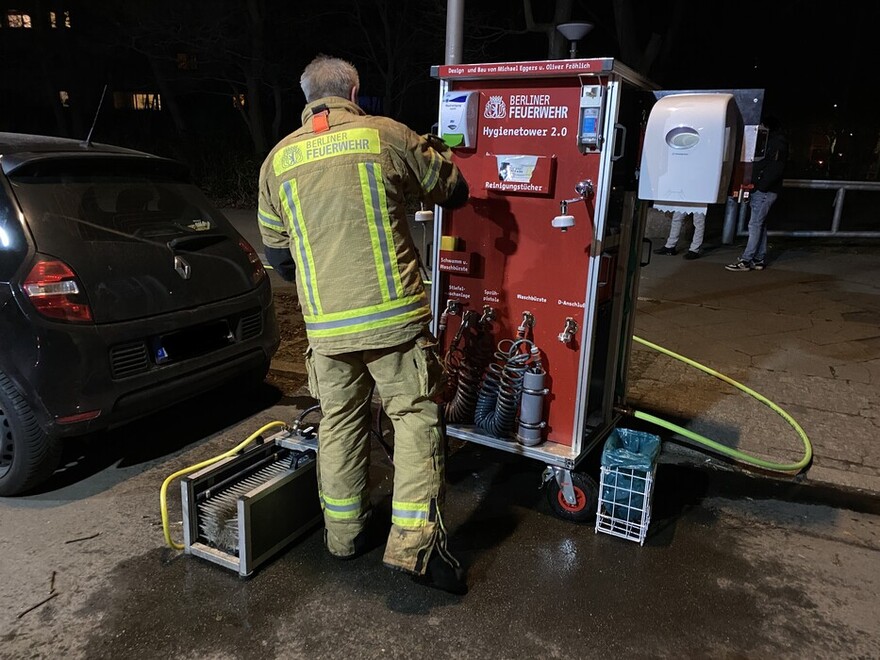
(518, 261)
(520, 70)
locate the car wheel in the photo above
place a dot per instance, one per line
(27, 455)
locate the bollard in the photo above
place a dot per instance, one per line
(742, 220)
(728, 232)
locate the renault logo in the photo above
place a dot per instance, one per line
(182, 267)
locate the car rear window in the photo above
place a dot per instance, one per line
(113, 200)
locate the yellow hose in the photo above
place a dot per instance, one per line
(163, 503)
(716, 446)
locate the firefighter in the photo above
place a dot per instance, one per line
(332, 215)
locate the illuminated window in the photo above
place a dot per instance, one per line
(65, 99)
(62, 19)
(187, 62)
(146, 102)
(17, 19)
(136, 101)
(238, 100)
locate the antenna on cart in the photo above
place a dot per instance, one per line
(88, 141)
(574, 32)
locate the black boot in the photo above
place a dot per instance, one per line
(373, 535)
(443, 572)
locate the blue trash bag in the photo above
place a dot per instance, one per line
(631, 449)
(629, 455)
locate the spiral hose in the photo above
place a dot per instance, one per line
(498, 400)
(466, 360)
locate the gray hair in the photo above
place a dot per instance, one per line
(328, 76)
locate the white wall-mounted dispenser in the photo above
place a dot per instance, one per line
(689, 149)
(458, 118)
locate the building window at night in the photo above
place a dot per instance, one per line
(17, 19)
(136, 101)
(187, 62)
(64, 97)
(146, 102)
(238, 100)
(61, 19)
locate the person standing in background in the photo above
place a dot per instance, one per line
(670, 248)
(767, 179)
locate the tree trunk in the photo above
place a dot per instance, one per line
(183, 147)
(256, 14)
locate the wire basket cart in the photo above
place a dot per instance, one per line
(624, 507)
(626, 484)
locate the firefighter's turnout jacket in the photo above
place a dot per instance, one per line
(334, 192)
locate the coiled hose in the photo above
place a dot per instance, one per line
(466, 360)
(742, 457)
(498, 401)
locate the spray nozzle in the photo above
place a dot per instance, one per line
(528, 321)
(424, 215)
(568, 332)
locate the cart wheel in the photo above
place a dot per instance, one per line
(586, 492)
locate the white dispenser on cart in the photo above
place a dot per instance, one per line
(689, 149)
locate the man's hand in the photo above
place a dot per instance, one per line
(436, 143)
(282, 262)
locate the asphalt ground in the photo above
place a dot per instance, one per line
(735, 564)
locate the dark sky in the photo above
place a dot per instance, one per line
(808, 56)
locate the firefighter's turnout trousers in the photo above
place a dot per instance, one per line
(407, 378)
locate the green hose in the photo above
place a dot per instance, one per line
(716, 446)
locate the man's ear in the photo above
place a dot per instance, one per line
(354, 94)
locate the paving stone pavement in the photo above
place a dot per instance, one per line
(804, 333)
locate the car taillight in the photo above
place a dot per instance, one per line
(55, 292)
(258, 272)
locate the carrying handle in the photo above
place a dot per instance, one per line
(650, 245)
(619, 141)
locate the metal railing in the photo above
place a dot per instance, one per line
(813, 203)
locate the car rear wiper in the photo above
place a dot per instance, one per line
(195, 241)
(190, 242)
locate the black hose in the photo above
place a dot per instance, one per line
(500, 392)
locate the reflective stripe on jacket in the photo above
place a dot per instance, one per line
(337, 200)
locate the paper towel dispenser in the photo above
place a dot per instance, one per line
(689, 149)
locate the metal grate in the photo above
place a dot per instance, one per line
(250, 325)
(129, 360)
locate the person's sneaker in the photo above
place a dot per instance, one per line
(690, 254)
(666, 250)
(443, 575)
(759, 265)
(740, 265)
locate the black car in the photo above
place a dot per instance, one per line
(122, 290)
